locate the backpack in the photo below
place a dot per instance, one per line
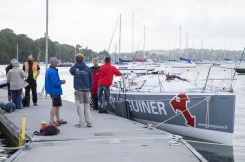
(8, 106)
(49, 130)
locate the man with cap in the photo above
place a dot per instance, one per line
(53, 88)
(32, 68)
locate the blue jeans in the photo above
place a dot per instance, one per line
(16, 98)
(106, 90)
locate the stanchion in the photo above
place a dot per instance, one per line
(23, 132)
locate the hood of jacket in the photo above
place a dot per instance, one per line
(80, 65)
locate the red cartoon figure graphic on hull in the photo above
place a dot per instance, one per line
(179, 103)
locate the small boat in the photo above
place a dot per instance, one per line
(240, 70)
(65, 64)
(3, 79)
(139, 59)
(183, 63)
(136, 67)
(180, 104)
(121, 60)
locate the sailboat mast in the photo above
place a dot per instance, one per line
(180, 37)
(119, 48)
(202, 48)
(193, 51)
(144, 42)
(186, 45)
(133, 33)
(179, 42)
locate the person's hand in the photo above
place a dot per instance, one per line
(63, 81)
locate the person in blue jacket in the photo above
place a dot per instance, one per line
(53, 88)
(83, 82)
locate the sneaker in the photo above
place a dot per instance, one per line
(105, 111)
(100, 110)
(80, 126)
(89, 125)
(62, 121)
(57, 124)
(35, 104)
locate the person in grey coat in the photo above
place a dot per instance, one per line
(15, 78)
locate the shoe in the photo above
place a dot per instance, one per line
(80, 126)
(100, 110)
(89, 125)
(57, 124)
(27, 105)
(62, 121)
(35, 104)
(105, 111)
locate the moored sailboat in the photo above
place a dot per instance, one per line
(178, 105)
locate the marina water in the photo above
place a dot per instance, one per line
(209, 151)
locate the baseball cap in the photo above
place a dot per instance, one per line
(53, 59)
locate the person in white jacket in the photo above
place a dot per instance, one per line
(15, 78)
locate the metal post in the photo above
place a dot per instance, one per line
(207, 79)
(23, 132)
(17, 52)
(46, 38)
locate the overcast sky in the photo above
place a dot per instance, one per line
(219, 23)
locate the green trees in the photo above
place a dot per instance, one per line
(27, 46)
(7, 44)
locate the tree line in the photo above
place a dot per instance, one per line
(9, 42)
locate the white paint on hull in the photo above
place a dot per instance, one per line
(204, 134)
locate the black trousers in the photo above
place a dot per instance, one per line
(94, 98)
(33, 87)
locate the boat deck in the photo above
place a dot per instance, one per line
(110, 139)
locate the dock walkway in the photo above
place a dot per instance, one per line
(110, 139)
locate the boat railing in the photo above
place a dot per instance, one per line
(223, 79)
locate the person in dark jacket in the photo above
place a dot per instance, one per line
(9, 67)
(53, 88)
(83, 82)
(94, 91)
(107, 72)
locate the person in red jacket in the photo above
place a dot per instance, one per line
(94, 91)
(107, 71)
